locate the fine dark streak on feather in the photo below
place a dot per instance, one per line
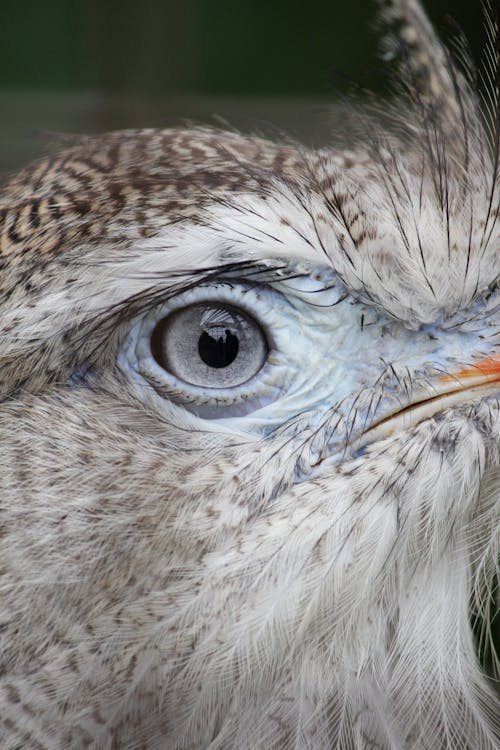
(492, 74)
(370, 411)
(429, 124)
(388, 182)
(409, 196)
(311, 216)
(328, 305)
(469, 245)
(332, 204)
(304, 238)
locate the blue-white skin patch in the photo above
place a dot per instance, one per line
(334, 362)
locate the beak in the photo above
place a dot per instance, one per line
(480, 380)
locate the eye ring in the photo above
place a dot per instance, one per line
(210, 344)
(259, 303)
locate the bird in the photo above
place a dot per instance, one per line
(250, 428)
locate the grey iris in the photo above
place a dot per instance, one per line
(210, 344)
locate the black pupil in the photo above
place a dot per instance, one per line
(218, 352)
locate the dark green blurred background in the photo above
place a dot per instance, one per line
(85, 65)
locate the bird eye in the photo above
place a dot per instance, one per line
(210, 344)
(218, 350)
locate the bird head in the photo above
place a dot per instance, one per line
(251, 432)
